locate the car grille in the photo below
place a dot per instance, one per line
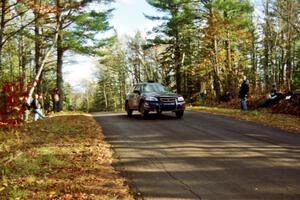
(167, 100)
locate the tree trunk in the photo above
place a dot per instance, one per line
(253, 61)
(214, 61)
(2, 26)
(289, 67)
(43, 63)
(22, 63)
(272, 58)
(216, 79)
(229, 72)
(267, 48)
(177, 59)
(282, 62)
(38, 46)
(59, 72)
(60, 53)
(177, 51)
(105, 97)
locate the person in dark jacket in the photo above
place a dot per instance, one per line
(36, 108)
(273, 99)
(244, 89)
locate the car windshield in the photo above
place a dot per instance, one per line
(154, 88)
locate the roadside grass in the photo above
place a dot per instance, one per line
(263, 116)
(63, 157)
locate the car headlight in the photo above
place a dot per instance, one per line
(180, 99)
(151, 99)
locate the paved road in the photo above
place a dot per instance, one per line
(204, 156)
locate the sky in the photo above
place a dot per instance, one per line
(128, 18)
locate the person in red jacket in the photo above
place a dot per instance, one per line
(56, 98)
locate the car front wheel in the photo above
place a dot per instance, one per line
(129, 111)
(159, 112)
(179, 114)
(144, 113)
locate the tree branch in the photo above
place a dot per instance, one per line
(12, 34)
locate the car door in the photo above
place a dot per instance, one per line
(130, 97)
(136, 96)
(133, 97)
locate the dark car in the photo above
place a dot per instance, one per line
(154, 97)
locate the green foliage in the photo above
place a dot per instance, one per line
(179, 33)
(296, 73)
(30, 33)
(68, 104)
(200, 46)
(112, 82)
(82, 36)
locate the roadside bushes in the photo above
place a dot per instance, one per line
(11, 103)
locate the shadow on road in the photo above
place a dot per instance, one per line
(200, 157)
(137, 116)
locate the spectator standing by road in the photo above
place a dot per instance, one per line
(41, 100)
(26, 108)
(56, 98)
(244, 89)
(36, 108)
(202, 97)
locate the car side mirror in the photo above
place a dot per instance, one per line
(136, 92)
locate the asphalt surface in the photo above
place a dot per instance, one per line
(203, 156)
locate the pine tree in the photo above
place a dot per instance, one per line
(77, 27)
(176, 24)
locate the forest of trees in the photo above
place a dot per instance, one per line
(200, 46)
(34, 36)
(207, 46)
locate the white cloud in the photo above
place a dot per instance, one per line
(130, 2)
(78, 69)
